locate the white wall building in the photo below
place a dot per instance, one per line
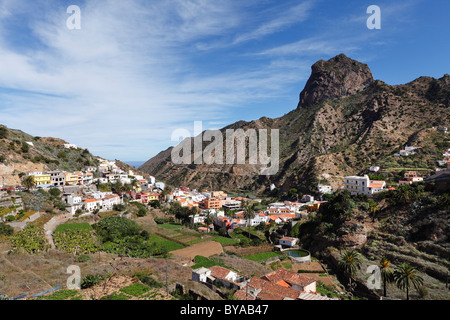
(288, 241)
(70, 146)
(325, 189)
(363, 185)
(258, 219)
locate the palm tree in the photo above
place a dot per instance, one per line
(350, 263)
(405, 276)
(373, 208)
(29, 182)
(248, 214)
(386, 273)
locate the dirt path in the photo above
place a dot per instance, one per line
(50, 227)
(205, 249)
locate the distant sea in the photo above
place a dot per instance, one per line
(135, 164)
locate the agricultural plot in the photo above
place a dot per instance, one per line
(73, 227)
(262, 256)
(205, 249)
(75, 238)
(169, 245)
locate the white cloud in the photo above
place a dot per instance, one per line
(125, 77)
(137, 70)
(280, 20)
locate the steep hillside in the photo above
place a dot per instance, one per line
(21, 153)
(344, 123)
(409, 225)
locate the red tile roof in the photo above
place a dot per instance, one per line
(290, 277)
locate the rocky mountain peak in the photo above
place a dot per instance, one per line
(338, 77)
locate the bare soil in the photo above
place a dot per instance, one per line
(205, 249)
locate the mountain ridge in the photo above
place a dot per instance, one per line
(343, 123)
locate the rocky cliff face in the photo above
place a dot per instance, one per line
(339, 77)
(345, 122)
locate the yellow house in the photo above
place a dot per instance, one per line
(71, 179)
(153, 196)
(314, 207)
(42, 179)
(218, 194)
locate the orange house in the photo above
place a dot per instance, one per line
(212, 203)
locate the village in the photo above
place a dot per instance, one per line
(108, 188)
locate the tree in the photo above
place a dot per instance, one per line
(249, 214)
(55, 192)
(386, 273)
(182, 213)
(293, 194)
(6, 230)
(29, 182)
(155, 204)
(3, 132)
(373, 208)
(142, 212)
(405, 276)
(350, 263)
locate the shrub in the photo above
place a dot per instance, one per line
(91, 280)
(142, 212)
(75, 241)
(146, 279)
(136, 289)
(25, 147)
(6, 230)
(115, 228)
(31, 239)
(119, 207)
(84, 258)
(3, 132)
(55, 192)
(115, 296)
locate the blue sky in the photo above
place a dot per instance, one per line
(137, 70)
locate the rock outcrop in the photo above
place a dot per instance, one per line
(336, 78)
(345, 122)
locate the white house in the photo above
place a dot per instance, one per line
(160, 185)
(70, 146)
(101, 180)
(363, 185)
(374, 169)
(202, 275)
(231, 204)
(288, 241)
(258, 219)
(71, 199)
(218, 274)
(326, 189)
(92, 204)
(198, 218)
(307, 198)
(109, 201)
